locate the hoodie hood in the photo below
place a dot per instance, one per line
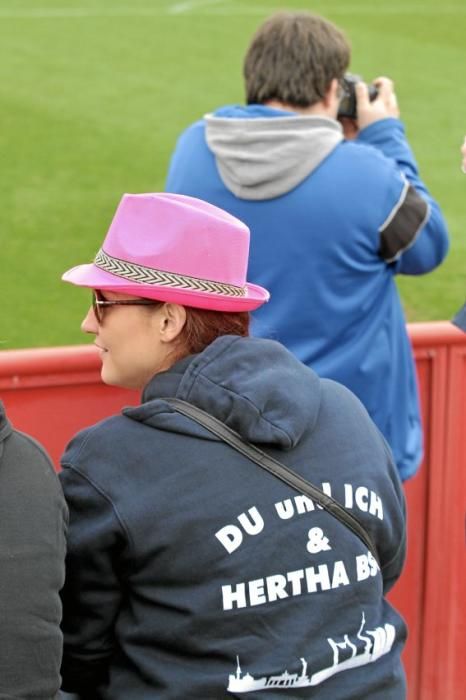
(255, 386)
(263, 153)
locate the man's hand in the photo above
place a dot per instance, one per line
(385, 104)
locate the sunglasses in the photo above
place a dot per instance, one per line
(99, 304)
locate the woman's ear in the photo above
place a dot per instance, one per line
(172, 320)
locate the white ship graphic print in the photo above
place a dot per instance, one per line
(366, 647)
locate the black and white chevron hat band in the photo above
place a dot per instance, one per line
(159, 278)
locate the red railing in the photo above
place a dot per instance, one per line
(52, 393)
(432, 590)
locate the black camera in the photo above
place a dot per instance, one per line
(348, 107)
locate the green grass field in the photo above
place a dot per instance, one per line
(95, 92)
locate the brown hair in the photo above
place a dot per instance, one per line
(292, 58)
(202, 327)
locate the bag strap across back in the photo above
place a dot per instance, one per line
(275, 467)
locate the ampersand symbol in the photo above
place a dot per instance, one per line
(317, 541)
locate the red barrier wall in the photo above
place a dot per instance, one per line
(432, 590)
(52, 393)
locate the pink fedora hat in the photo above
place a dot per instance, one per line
(176, 249)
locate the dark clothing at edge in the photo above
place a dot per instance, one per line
(33, 518)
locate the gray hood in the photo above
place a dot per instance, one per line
(262, 158)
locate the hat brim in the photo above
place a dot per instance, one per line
(93, 277)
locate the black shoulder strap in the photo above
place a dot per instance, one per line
(276, 468)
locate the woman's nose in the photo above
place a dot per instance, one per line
(89, 323)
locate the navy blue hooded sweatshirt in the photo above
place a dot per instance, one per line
(191, 573)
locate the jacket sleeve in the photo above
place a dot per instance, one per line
(32, 570)
(93, 587)
(414, 236)
(394, 555)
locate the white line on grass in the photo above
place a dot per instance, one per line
(79, 12)
(176, 8)
(220, 7)
(190, 5)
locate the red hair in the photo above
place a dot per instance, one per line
(202, 327)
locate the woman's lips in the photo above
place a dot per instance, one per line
(101, 350)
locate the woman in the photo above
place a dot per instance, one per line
(32, 567)
(191, 572)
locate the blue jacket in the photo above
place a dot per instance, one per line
(191, 573)
(332, 222)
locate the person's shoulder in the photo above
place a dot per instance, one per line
(366, 163)
(344, 416)
(98, 439)
(362, 153)
(194, 129)
(338, 392)
(191, 138)
(27, 450)
(29, 476)
(198, 127)
(348, 411)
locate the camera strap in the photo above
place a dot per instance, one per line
(273, 466)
